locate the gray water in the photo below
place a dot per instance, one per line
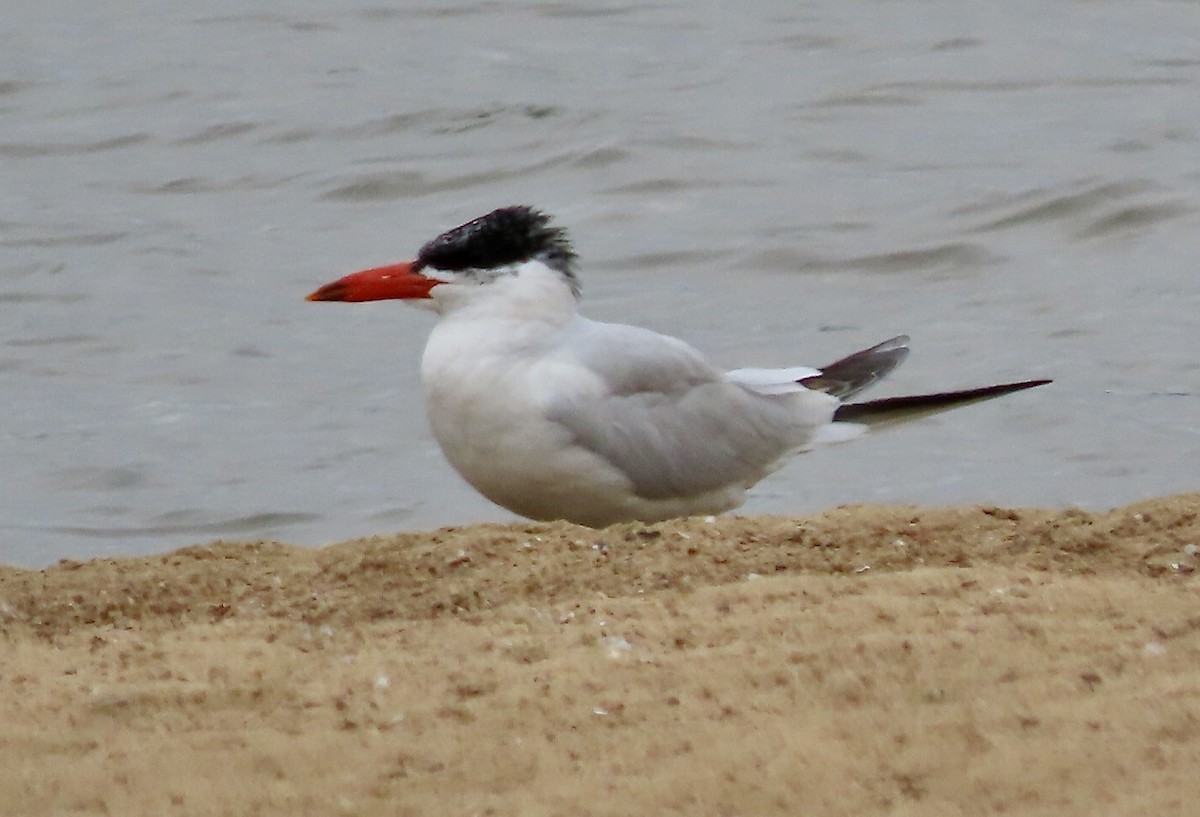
(1016, 185)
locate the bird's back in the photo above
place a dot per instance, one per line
(613, 421)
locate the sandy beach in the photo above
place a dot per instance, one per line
(860, 661)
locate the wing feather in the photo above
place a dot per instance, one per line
(671, 423)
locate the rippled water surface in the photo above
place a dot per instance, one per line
(1015, 185)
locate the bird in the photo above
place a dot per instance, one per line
(555, 416)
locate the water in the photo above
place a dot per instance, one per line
(1016, 186)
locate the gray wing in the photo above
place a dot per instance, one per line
(670, 422)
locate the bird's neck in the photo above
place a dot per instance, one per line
(533, 296)
(484, 331)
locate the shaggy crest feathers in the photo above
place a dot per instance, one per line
(509, 235)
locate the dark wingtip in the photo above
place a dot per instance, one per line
(891, 409)
(861, 370)
(1020, 385)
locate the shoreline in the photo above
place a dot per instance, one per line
(863, 660)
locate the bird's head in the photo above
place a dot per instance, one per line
(486, 251)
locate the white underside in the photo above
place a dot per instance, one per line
(554, 416)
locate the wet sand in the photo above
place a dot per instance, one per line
(860, 661)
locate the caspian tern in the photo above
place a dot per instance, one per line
(555, 416)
